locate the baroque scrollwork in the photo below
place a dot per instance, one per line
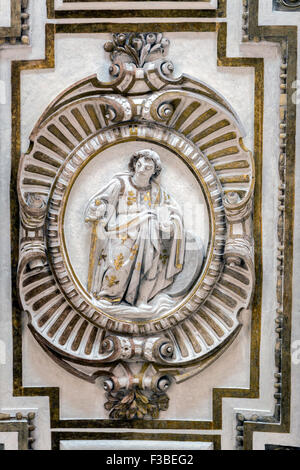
(69, 316)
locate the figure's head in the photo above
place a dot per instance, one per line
(145, 162)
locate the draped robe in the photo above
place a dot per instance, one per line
(140, 241)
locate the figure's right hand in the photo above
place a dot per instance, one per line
(95, 211)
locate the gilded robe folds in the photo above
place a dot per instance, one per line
(140, 241)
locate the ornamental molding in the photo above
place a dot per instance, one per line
(18, 33)
(286, 5)
(138, 351)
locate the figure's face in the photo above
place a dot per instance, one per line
(145, 167)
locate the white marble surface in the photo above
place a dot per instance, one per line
(76, 57)
(267, 16)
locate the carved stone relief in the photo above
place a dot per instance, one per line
(18, 33)
(115, 279)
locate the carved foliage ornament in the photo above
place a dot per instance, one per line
(116, 281)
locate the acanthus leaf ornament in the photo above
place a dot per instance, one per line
(91, 315)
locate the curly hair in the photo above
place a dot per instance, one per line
(149, 154)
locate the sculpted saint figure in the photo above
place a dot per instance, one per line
(138, 239)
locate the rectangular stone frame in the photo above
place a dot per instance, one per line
(17, 32)
(14, 30)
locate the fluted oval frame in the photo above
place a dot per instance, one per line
(59, 260)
